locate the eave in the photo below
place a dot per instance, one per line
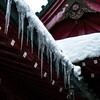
(59, 14)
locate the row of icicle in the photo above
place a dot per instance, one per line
(43, 41)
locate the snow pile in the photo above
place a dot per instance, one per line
(45, 40)
(81, 47)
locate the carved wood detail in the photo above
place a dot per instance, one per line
(76, 11)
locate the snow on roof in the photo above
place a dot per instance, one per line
(81, 47)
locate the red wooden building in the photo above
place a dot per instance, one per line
(20, 72)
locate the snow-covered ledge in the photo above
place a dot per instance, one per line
(81, 47)
(45, 39)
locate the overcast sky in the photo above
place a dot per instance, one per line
(36, 4)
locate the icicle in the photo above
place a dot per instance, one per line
(32, 32)
(19, 26)
(64, 70)
(22, 28)
(22, 9)
(47, 53)
(28, 32)
(57, 62)
(39, 44)
(68, 74)
(42, 51)
(47, 48)
(7, 17)
(65, 75)
(71, 95)
(51, 65)
(57, 66)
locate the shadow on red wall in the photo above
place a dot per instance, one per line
(88, 23)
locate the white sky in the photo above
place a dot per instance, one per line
(36, 4)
